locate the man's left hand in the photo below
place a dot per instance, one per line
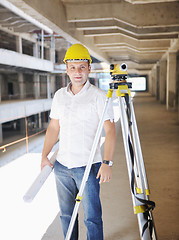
(104, 173)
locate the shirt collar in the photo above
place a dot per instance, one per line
(85, 87)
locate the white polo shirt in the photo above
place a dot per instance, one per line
(79, 116)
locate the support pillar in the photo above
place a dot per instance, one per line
(42, 44)
(36, 86)
(21, 85)
(18, 44)
(150, 83)
(52, 57)
(163, 79)
(48, 87)
(171, 81)
(52, 84)
(157, 82)
(0, 88)
(63, 79)
(40, 121)
(1, 136)
(154, 81)
(35, 50)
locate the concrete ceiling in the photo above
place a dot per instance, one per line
(139, 32)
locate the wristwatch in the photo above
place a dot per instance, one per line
(109, 163)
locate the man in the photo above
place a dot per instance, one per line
(75, 114)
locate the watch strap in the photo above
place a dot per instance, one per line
(109, 163)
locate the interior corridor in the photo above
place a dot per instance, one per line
(159, 135)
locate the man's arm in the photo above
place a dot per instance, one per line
(50, 140)
(105, 171)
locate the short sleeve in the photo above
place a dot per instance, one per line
(54, 113)
(100, 106)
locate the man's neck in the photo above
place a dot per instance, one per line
(76, 89)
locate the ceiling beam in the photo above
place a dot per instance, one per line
(117, 24)
(53, 14)
(158, 14)
(120, 39)
(111, 32)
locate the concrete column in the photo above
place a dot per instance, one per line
(63, 79)
(0, 87)
(35, 50)
(36, 86)
(1, 136)
(21, 85)
(19, 44)
(52, 84)
(52, 50)
(42, 44)
(163, 79)
(38, 47)
(171, 81)
(154, 81)
(48, 86)
(40, 120)
(157, 82)
(150, 82)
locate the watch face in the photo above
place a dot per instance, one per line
(110, 163)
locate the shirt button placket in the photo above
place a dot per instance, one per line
(70, 122)
(69, 129)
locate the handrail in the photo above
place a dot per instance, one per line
(20, 140)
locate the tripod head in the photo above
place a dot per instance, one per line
(119, 75)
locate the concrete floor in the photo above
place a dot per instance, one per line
(159, 135)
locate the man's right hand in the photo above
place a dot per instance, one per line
(45, 161)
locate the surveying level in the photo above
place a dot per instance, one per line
(118, 73)
(138, 181)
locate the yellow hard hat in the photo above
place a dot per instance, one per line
(77, 52)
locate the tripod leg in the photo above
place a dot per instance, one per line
(88, 168)
(141, 166)
(137, 146)
(126, 132)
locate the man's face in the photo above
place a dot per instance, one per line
(78, 72)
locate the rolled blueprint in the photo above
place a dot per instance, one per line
(39, 181)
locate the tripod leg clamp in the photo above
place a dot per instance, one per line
(139, 191)
(109, 93)
(147, 192)
(139, 209)
(122, 88)
(78, 198)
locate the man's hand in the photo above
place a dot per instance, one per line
(45, 161)
(104, 173)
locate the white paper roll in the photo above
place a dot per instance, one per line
(39, 181)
